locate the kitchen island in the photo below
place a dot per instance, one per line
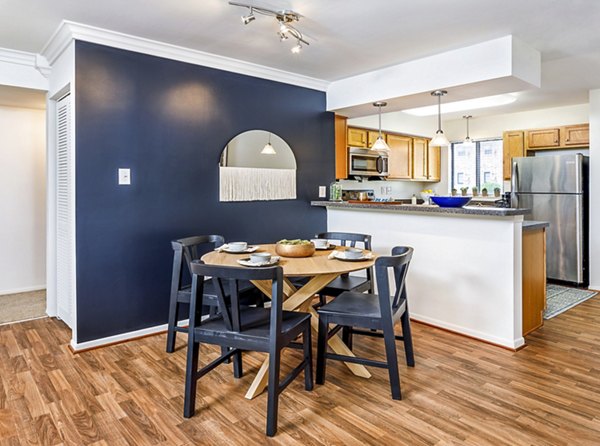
(466, 271)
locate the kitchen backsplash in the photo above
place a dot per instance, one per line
(388, 189)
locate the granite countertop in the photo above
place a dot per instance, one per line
(529, 225)
(467, 210)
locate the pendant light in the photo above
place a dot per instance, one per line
(467, 140)
(380, 143)
(439, 140)
(268, 148)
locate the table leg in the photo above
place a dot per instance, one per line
(295, 301)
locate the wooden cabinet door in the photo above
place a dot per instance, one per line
(372, 137)
(577, 135)
(357, 137)
(420, 159)
(400, 160)
(543, 138)
(341, 148)
(534, 279)
(513, 146)
(434, 163)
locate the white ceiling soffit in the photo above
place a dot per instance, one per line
(498, 66)
(68, 31)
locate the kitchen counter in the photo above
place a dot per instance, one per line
(466, 271)
(530, 225)
(382, 205)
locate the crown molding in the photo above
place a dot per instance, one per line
(68, 31)
(31, 60)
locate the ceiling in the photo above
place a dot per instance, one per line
(347, 37)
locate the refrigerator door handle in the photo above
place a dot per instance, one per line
(514, 184)
(579, 237)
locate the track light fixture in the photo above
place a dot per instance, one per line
(380, 143)
(468, 139)
(284, 19)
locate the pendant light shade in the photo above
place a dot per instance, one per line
(268, 149)
(380, 143)
(439, 140)
(467, 139)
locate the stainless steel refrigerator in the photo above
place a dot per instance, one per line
(555, 188)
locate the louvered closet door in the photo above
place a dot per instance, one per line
(65, 214)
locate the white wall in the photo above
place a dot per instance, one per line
(594, 245)
(22, 199)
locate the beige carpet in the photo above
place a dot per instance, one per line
(22, 306)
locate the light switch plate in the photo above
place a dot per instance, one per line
(124, 176)
(322, 191)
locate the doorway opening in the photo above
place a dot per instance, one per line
(22, 204)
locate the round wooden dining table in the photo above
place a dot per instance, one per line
(321, 269)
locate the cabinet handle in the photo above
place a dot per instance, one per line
(568, 139)
(555, 141)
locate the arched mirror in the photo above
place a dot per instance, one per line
(257, 165)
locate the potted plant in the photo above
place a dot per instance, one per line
(474, 191)
(454, 192)
(484, 192)
(463, 191)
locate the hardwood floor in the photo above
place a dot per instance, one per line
(460, 392)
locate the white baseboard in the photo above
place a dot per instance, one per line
(122, 337)
(512, 344)
(23, 290)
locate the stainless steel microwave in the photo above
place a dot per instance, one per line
(368, 163)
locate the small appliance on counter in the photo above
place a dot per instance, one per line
(367, 163)
(504, 202)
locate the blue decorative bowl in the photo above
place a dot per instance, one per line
(450, 202)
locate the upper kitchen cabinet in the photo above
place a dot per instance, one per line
(341, 147)
(513, 146)
(420, 159)
(372, 137)
(434, 163)
(576, 135)
(401, 157)
(357, 137)
(543, 138)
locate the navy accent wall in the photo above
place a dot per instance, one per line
(168, 121)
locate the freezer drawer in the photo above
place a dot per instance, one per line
(564, 259)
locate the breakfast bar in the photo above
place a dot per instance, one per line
(466, 271)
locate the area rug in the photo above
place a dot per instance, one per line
(561, 298)
(22, 306)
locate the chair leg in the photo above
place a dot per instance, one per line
(273, 391)
(392, 360)
(407, 335)
(237, 365)
(347, 336)
(224, 351)
(189, 404)
(322, 299)
(321, 349)
(308, 368)
(171, 333)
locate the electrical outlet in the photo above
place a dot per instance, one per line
(388, 190)
(322, 191)
(124, 177)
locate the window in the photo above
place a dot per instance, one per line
(477, 164)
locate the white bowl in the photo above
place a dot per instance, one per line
(260, 257)
(320, 242)
(353, 253)
(237, 246)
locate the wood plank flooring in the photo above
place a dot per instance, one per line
(460, 392)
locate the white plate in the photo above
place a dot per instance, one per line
(246, 262)
(248, 250)
(341, 255)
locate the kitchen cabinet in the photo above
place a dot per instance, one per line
(576, 135)
(400, 159)
(534, 278)
(341, 147)
(357, 137)
(420, 159)
(513, 146)
(372, 137)
(543, 138)
(434, 163)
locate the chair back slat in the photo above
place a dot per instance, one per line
(398, 262)
(231, 313)
(187, 250)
